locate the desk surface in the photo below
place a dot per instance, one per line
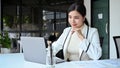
(16, 60)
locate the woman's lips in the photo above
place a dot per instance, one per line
(74, 24)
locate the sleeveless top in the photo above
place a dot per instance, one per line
(73, 47)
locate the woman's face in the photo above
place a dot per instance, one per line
(75, 19)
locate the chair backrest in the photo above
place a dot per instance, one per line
(117, 44)
(101, 41)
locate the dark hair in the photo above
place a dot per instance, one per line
(79, 7)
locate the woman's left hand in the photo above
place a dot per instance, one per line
(79, 33)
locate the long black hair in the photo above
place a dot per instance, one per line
(79, 7)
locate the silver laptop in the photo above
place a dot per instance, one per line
(34, 49)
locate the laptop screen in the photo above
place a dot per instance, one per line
(34, 49)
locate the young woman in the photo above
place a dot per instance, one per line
(80, 41)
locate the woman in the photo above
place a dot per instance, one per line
(80, 41)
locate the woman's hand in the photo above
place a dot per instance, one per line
(49, 43)
(79, 33)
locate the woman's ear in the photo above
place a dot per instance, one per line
(84, 19)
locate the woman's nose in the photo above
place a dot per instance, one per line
(72, 20)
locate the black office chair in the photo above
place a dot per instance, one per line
(117, 44)
(101, 41)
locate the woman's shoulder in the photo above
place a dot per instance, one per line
(93, 29)
(67, 28)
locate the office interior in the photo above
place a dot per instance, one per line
(45, 18)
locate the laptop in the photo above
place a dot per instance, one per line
(34, 49)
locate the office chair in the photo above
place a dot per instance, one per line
(101, 41)
(117, 44)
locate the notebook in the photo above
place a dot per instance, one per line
(34, 49)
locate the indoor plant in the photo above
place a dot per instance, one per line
(5, 42)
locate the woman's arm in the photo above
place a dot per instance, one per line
(94, 51)
(58, 45)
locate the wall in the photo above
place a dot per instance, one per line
(88, 8)
(0, 15)
(114, 24)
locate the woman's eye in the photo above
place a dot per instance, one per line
(76, 17)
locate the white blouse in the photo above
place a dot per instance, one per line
(73, 47)
(94, 51)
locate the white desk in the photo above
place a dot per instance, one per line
(16, 60)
